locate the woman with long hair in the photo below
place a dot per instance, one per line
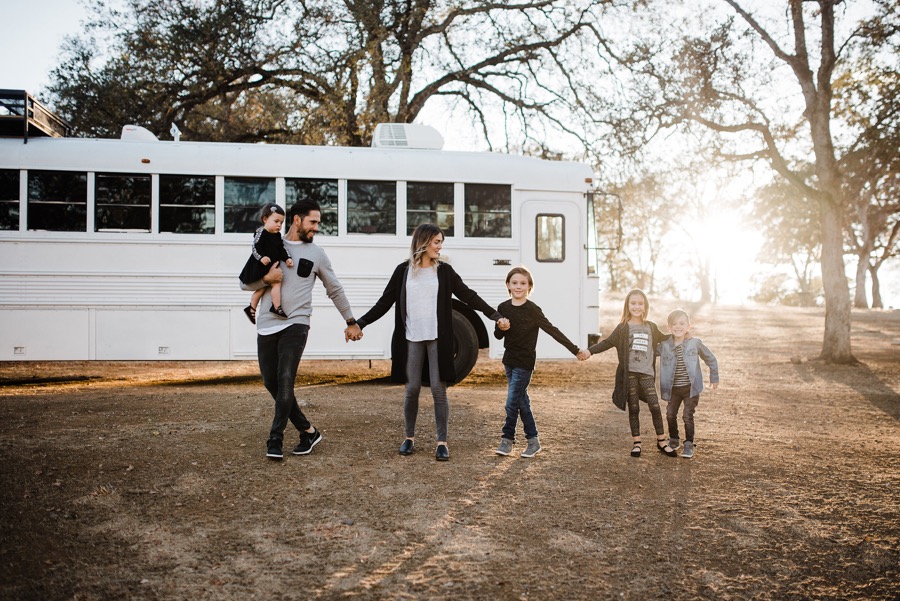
(422, 288)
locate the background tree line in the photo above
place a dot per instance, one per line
(792, 106)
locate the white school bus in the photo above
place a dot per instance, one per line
(129, 249)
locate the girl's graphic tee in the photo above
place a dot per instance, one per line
(640, 355)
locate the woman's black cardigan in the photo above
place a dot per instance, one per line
(449, 283)
(619, 339)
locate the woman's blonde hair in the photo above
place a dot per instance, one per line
(421, 238)
(626, 314)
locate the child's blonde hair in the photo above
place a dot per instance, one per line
(626, 314)
(676, 314)
(520, 271)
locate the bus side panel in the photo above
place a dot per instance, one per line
(61, 334)
(181, 334)
(326, 335)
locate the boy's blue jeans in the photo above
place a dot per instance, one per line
(518, 404)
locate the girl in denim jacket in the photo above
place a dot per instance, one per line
(680, 378)
(635, 340)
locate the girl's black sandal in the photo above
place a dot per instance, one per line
(636, 449)
(665, 445)
(250, 312)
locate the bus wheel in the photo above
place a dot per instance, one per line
(465, 346)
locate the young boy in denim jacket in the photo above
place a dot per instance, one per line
(680, 378)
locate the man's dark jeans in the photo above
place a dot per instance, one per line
(279, 358)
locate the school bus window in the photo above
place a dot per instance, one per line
(488, 211)
(371, 207)
(324, 192)
(428, 202)
(550, 238)
(122, 202)
(244, 197)
(57, 201)
(187, 204)
(9, 199)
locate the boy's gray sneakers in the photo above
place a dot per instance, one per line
(534, 445)
(688, 451)
(674, 443)
(505, 448)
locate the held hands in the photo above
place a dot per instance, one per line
(583, 355)
(353, 333)
(265, 260)
(503, 323)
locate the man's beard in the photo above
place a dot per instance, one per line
(306, 235)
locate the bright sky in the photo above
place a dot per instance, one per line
(31, 40)
(31, 45)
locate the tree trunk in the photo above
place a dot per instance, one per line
(705, 288)
(877, 303)
(862, 266)
(611, 271)
(836, 343)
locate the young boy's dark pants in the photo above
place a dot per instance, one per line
(681, 394)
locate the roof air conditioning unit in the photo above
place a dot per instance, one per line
(406, 135)
(136, 133)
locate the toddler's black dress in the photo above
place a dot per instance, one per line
(265, 244)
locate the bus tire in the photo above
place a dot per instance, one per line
(465, 346)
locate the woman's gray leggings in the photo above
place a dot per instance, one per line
(415, 358)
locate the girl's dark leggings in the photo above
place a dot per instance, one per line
(642, 385)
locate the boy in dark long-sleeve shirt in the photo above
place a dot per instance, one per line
(520, 341)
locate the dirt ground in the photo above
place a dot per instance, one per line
(149, 481)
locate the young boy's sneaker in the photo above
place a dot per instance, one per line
(534, 445)
(688, 451)
(505, 448)
(674, 443)
(307, 442)
(273, 450)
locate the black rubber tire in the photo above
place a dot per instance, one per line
(465, 346)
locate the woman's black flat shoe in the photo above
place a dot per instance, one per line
(442, 453)
(407, 447)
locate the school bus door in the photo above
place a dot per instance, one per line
(551, 238)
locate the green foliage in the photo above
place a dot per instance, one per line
(645, 220)
(867, 100)
(789, 223)
(317, 71)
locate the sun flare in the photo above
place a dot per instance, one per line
(730, 245)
